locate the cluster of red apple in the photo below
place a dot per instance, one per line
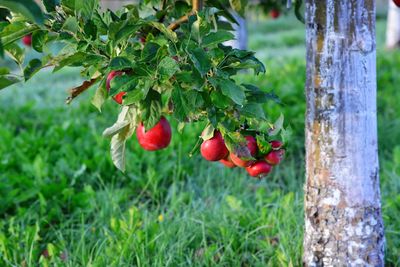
(397, 2)
(154, 139)
(214, 149)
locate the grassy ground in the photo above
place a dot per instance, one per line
(60, 193)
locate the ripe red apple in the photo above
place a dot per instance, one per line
(228, 162)
(259, 169)
(111, 75)
(27, 40)
(276, 144)
(274, 13)
(252, 146)
(214, 149)
(397, 2)
(274, 157)
(157, 137)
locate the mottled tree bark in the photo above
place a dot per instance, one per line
(343, 222)
(393, 26)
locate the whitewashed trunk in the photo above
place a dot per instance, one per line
(240, 32)
(393, 26)
(343, 222)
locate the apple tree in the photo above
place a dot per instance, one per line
(156, 60)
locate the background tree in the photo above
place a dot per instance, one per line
(393, 26)
(343, 222)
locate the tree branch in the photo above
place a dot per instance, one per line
(197, 5)
(175, 25)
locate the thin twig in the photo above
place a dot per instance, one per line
(177, 23)
(197, 5)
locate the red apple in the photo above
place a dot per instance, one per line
(397, 2)
(157, 137)
(252, 146)
(228, 162)
(259, 169)
(111, 75)
(27, 40)
(276, 144)
(274, 157)
(214, 149)
(274, 13)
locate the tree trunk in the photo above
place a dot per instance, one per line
(393, 26)
(240, 32)
(343, 222)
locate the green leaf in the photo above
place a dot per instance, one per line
(151, 109)
(277, 127)
(120, 63)
(237, 144)
(255, 95)
(116, 128)
(15, 31)
(200, 60)
(181, 107)
(149, 51)
(7, 80)
(50, 5)
(100, 96)
(33, 66)
(194, 99)
(39, 38)
(71, 25)
(248, 63)
(76, 59)
(125, 32)
(167, 67)
(121, 131)
(15, 52)
(298, 12)
(90, 30)
(140, 92)
(122, 83)
(86, 8)
(208, 132)
(219, 100)
(27, 8)
(218, 37)
(253, 110)
(263, 145)
(287, 135)
(230, 89)
(171, 35)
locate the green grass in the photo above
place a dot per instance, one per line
(59, 190)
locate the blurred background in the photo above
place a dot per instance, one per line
(63, 203)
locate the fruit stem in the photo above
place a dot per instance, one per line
(196, 147)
